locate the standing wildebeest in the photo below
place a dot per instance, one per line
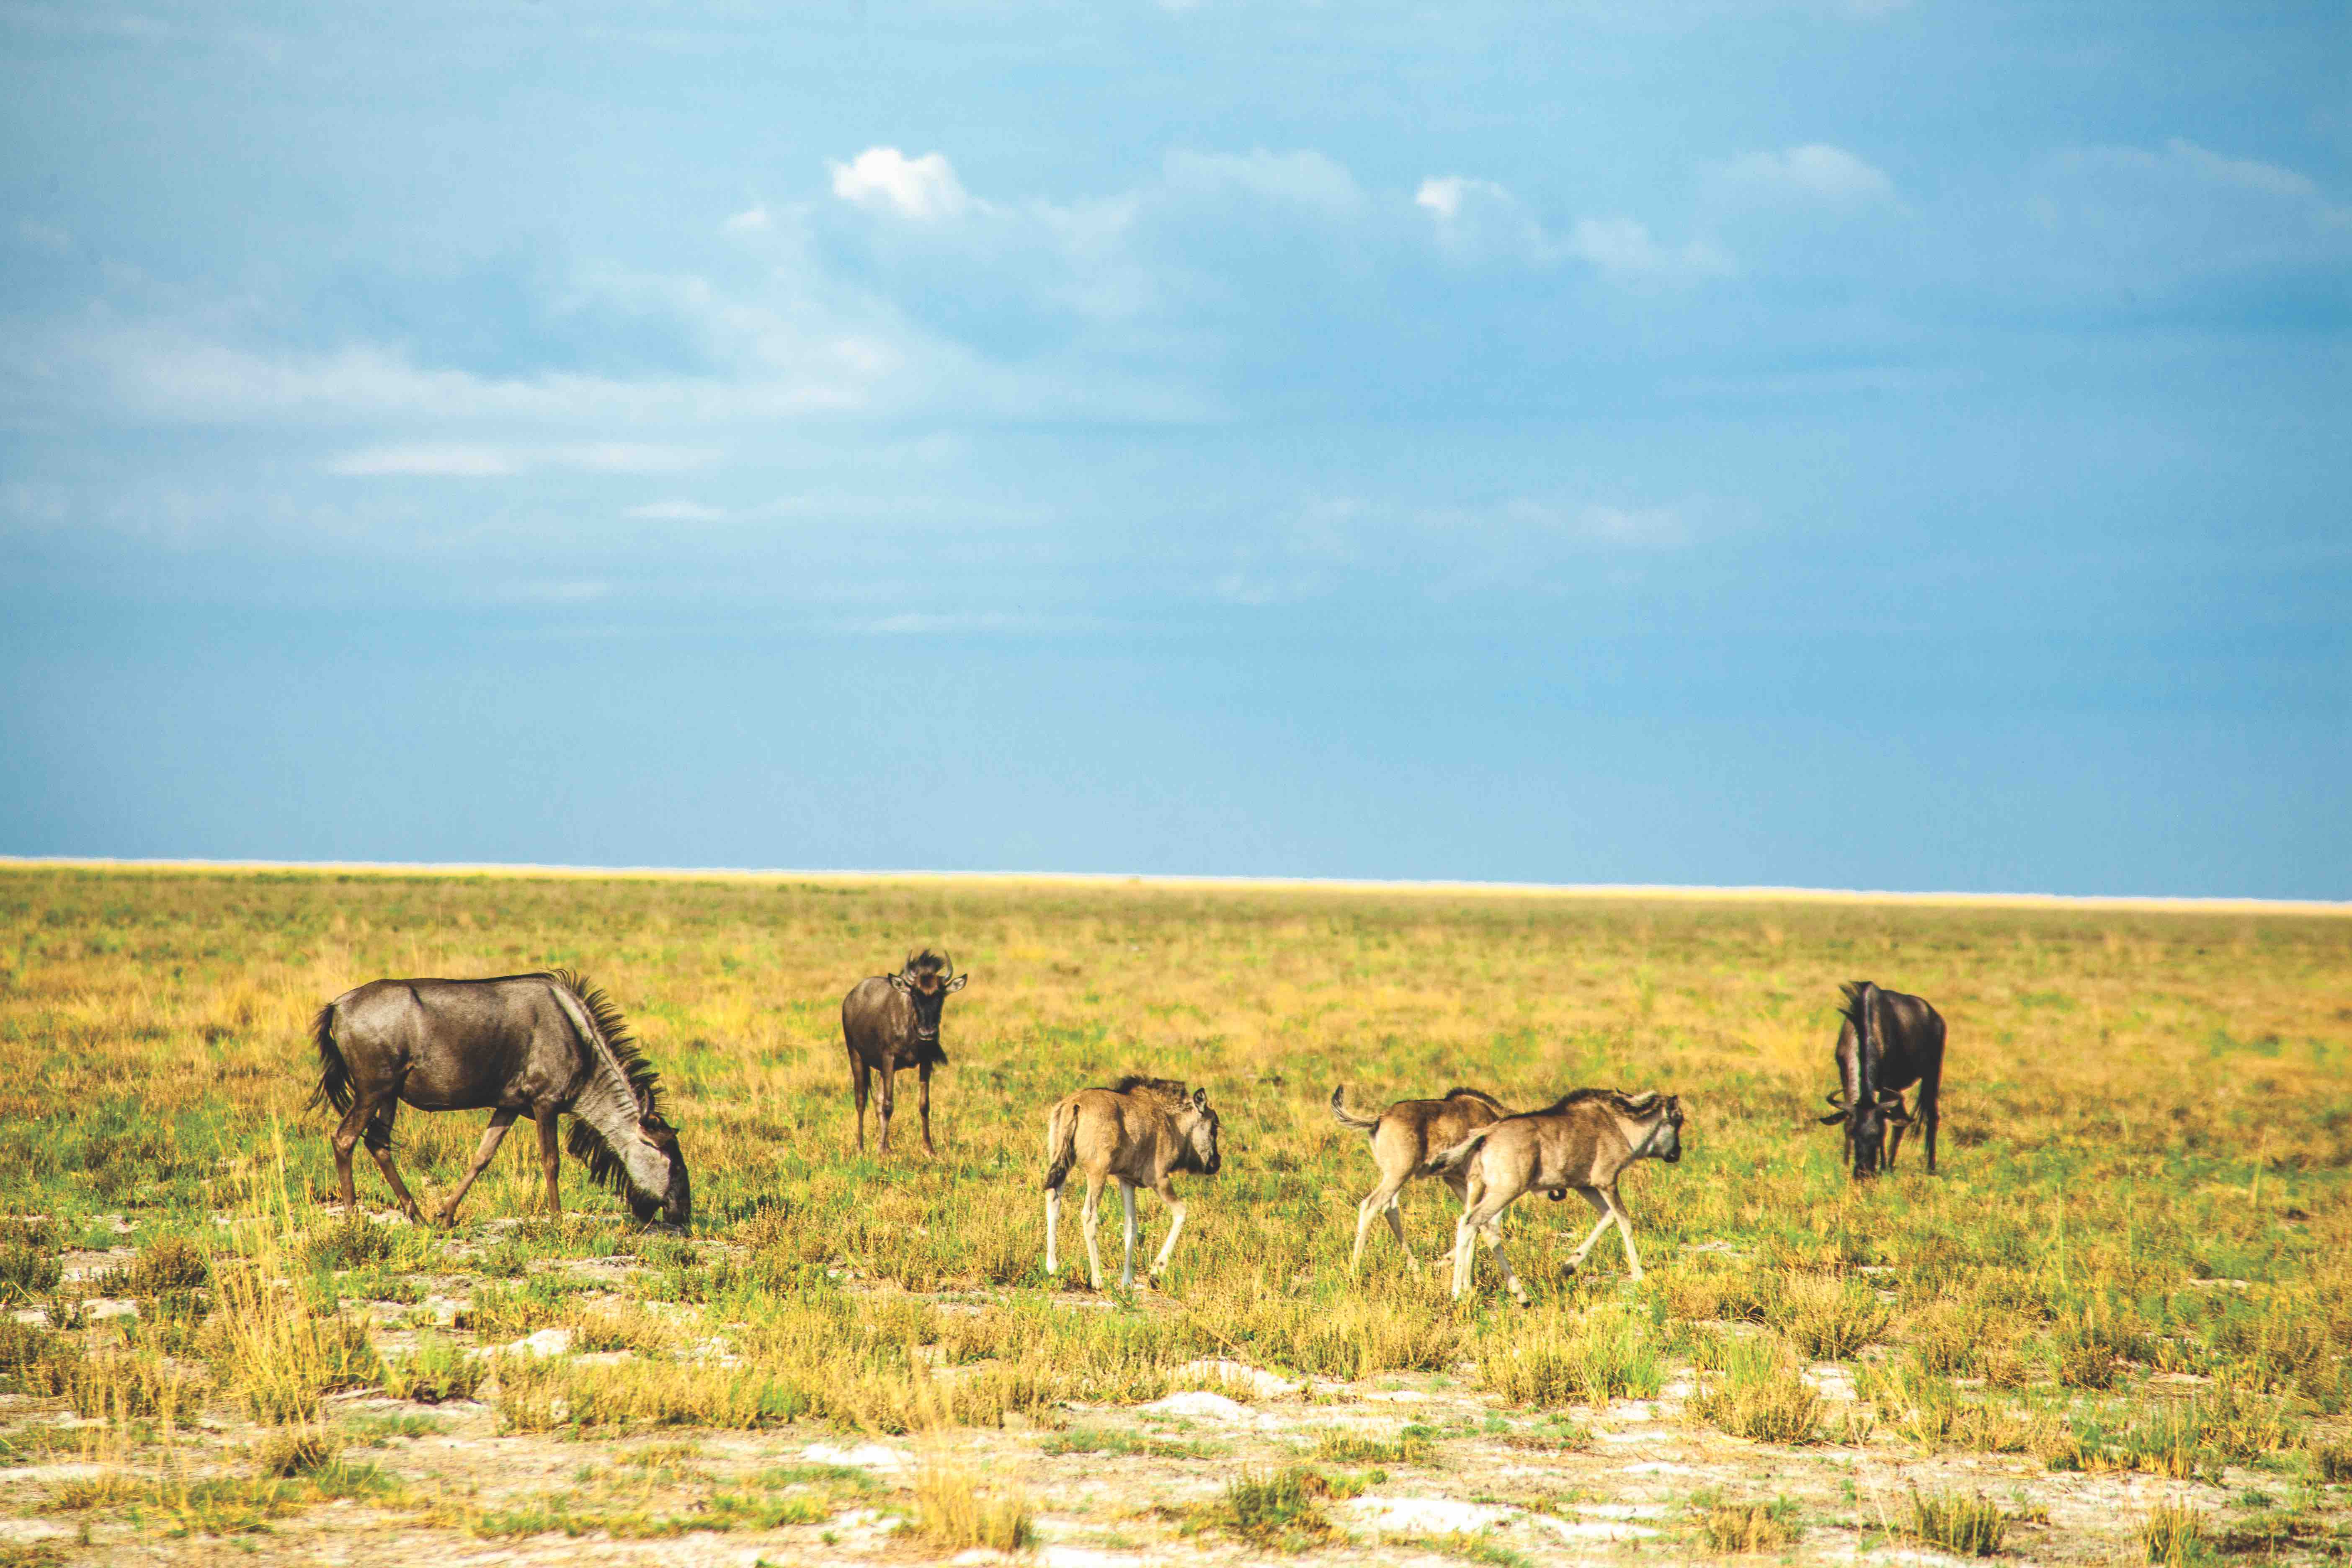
(1404, 1138)
(1584, 1139)
(522, 1044)
(1141, 1131)
(1887, 1043)
(892, 1021)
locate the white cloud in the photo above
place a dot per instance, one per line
(463, 461)
(2246, 174)
(437, 462)
(1306, 177)
(883, 178)
(1816, 172)
(753, 219)
(676, 511)
(44, 237)
(1480, 220)
(1622, 251)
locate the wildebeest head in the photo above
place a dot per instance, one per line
(1667, 1143)
(667, 1192)
(1199, 1125)
(927, 979)
(1865, 1128)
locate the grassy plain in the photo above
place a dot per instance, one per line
(2124, 1306)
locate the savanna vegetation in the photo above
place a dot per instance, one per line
(2128, 1296)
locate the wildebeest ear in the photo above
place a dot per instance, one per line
(901, 983)
(957, 983)
(1832, 1116)
(1201, 1098)
(1644, 1100)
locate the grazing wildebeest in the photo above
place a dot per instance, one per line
(1141, 1131)
(1404, 1138)
(520, 1045)
(892, 1021)
(1888, 1042)
(1584, 1139)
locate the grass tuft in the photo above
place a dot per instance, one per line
(1965, 1525)
(2173, 1533)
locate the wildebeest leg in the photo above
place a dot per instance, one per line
(1625, 1227)
(1381, 1200)
(379, 1142)
(1926, 1111)
(860, 1076)
(1167, 1191)
(1127, 1262)
(923, 1099)
(889, 1098)
(496, 1134)
(1601, 1207)
(1087, 1217)
(1491, 1233)
(1053, 1226)
(1896, 1126)
(551, 1161)
(1479, 1215)
(346, 1140)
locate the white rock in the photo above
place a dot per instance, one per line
(1592, 1529)
(1235, 1375)
(1202, 1405)
(546, 1342)
(864, 1456)
(1425, 1515)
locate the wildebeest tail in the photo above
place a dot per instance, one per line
(334, 1073)
(1061, 1144)
(1454, 1159)
(1364, 1125)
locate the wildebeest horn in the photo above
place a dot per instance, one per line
(1644, 1100)
(947, 967)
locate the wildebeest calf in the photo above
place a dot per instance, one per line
(1404, 1138)
(1888, 1042)
(1140, 1130)
(1584, 1139)
(892, 1021)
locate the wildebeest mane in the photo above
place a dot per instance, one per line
(1480, 1095)
(587, 1144)
(1157, 1088)
(1630, 1104)
(925, 963)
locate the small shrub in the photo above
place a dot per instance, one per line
(1354, 1449)
(295, 1451)
(38, 1360)
(954, 1512)
(1826, 1318)
(171, 1267)
(29, 1264)
(2332, 1463)
(1963, 1525)
(117, 1386)
(1282, 1511)
(349, 1243)
(437, 1371)
(1759, 1396)
(1750, 1526)
(2174, 1534)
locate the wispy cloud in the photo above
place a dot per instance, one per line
(1306, 177)
(1477, 219)
(467, 461)
(676, 511)
(1815, 172)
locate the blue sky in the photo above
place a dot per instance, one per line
(1856, 443)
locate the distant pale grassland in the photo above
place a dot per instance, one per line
(2137, 1104)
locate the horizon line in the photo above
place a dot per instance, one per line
(1742, 893)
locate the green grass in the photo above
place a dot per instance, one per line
(2146, 1148)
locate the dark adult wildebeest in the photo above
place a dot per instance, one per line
(1404, 1138)
(1888, 1042)
(520, 1045)
(892, 1021)
(1584, 1139)
(1140, 1131)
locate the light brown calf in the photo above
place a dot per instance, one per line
(1404, 1138)
(1141, 1131)
(1585, 1140)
